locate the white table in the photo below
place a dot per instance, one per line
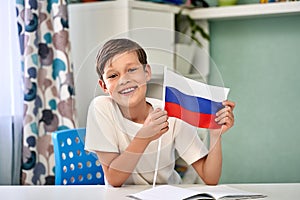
(99, 192)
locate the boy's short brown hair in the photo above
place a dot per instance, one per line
(114, 47)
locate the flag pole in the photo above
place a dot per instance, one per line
(157, 161)
(159, 140)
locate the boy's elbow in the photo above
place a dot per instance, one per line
(212, 183)
(115, 183)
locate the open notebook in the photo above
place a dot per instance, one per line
(165, 192)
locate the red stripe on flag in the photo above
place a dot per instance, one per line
(200, 120)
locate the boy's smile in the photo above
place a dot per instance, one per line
(128, 90)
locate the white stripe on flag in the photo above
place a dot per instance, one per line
(194, 88)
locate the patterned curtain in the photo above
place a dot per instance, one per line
(48, 84)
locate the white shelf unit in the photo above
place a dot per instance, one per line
(247, 11)
(91, 24)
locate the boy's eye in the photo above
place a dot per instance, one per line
(132, 69)
(112, 76)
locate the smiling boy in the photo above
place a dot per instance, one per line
(123, 128)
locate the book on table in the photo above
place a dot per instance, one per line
(165, 192)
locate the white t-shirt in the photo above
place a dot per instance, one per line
(108, 131)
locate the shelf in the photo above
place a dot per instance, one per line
(246, 11)
(146, 5)
(98, 5)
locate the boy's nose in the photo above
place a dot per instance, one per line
(124, 79)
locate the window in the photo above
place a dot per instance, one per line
(11, 96)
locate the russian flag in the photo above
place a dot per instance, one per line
(191, 101)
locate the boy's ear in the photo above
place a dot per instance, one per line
(102, 86)
(148, 72)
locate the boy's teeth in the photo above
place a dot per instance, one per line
(127, 90)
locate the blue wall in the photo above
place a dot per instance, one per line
(259, 59)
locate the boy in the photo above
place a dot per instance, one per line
(123, 128)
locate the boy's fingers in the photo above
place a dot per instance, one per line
(158, 114)
(225, 109)
(228, 103)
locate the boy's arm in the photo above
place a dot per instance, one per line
(209, 168)
(118, 167)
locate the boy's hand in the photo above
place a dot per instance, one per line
(225, 115)
(155, 125)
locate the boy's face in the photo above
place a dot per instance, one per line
(125, 79)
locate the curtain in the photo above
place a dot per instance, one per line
(11, 109)
(48, 84)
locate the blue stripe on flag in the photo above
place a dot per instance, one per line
(192, 103)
